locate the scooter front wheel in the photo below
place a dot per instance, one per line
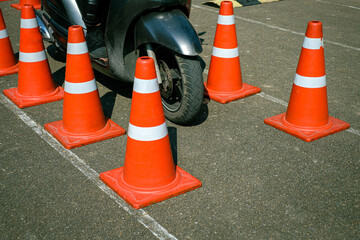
(182, 86)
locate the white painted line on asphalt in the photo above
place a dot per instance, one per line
(275, 27)
(354, 131)
(273, 99)
(285, 104)
(338, 4)
(140, 215)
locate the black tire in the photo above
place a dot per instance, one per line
(183, 88)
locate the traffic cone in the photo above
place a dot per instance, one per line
(35, 83)
(307, 115)
(83, 117)
(149, 174)
(8, 62)
(224, 83)
(35, 3)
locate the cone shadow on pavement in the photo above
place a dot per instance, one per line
(56, 53)
(108, 103)
(307, 115)
(83, 119)
(59, 76)
(149, 174)
(173, 143)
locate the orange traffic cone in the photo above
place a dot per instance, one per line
(8, 62)
(149, 174)
(224, 83)
(83, 117)
(35, 3)
(35, 84)
(307, 115)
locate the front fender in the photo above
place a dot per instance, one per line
(170, 29)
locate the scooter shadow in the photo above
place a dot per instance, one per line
(116, 87)
(59, 76)
(108, 103)
(173, 143)
(121, 88)
(56, 54)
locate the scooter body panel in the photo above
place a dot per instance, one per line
(63, 14)
(119, 36)
(171, 29)
(130, 24)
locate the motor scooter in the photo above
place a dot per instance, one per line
(156, 28)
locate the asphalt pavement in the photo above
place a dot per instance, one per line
(258, 182)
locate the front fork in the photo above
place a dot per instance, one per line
(150, 52)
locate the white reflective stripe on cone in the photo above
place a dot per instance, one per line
(3, 34)
(80, 88)
(225, 53)
(226, 20)
(147, 133)
(310, 82)
(77, 48)
(145, 86)
(32, 57)
(313, 43)
(29, 23)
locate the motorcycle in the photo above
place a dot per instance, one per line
(156, 28)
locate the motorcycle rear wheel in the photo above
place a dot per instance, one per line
(182, 87)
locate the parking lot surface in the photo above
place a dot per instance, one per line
(257, 181)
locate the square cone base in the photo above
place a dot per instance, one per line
(336, 125)
(139, 198)
(18, 6)
(10, 70)
(226, 97)
(70, 141)
(24, 101)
